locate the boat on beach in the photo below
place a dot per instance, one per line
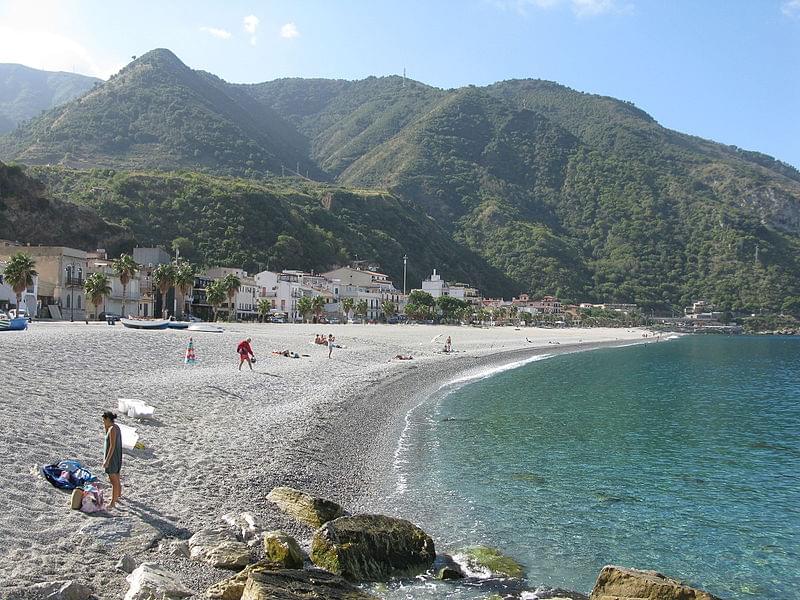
(145, 323)
(205, 327)
(178, 324)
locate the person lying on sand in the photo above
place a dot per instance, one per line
(403, 357)
(286, 353)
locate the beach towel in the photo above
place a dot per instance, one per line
(67, 475)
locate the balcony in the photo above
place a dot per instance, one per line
(71, 281)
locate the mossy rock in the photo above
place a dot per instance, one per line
(489, 561)
(372, 548)
(307, 509)
(282, 549)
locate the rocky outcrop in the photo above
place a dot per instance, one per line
(219, 548)
(484, 561)
(372, 548)
(308, 509)
(233, 587)
(149, 581)
(619, 583)
(267, 584)
(62, 590)
(282, 549)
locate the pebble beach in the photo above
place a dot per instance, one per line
(220, 439)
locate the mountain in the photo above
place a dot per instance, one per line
(26, 92)
(282, 223)
(158, 113)
(28, 214)
(563, 192)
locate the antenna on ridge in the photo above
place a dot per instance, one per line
(404, 77)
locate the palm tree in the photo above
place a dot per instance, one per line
(305, 306)
(361, 308)
(125, 268)
(19, 274)
(389, 308)
(318, 305)
(231, 283)
(184, 281)
(264, 306)
(215, 295)
(97, 287)
(164, 278)
(347, 306)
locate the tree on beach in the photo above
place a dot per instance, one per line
(420, 305)
(389, 308)
(318, 305)
(264, 306)
(164, 278)
(19, 274)
(449, 306)
(215, 295)
(97, 287)
(305, 306)
(347, 306)
(125, 268)
(232, 284)
(361, 308)
(184, 282)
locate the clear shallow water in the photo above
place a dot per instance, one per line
(681, 456)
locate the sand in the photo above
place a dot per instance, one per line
(221, 439)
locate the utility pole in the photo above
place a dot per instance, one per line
(405, 262)
(175, 291)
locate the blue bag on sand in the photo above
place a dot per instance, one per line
(67, 475)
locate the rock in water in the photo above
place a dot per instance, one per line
(149, 580)
(619, 583)
(267, 584)
(219, 548)
(304, 507)
(372, 548)
(483, 561)
(282, 549)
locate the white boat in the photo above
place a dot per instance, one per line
(206, 327)
(178, 324)
(145, 323)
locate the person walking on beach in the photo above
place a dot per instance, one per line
(447, 344)
(245, 353)
(112, 455)
(331, 340)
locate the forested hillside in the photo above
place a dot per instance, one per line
(564, 192)
(26, 92)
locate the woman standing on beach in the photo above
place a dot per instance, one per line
(112, 455)
(245, 352)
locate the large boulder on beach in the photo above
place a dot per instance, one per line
(485, 561)
(150, 580)
(290, 584)
(271, 581)
(282, 549)
(62, 590)
(308, 509)
(372, 548)
(620, 583)
(220, 548)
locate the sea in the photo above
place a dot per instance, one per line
(681, 456)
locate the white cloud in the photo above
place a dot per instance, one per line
(791, 8)
(580, 8)
(220, 34)
(289, 31)
(250, 24)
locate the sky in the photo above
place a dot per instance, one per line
(727, 70)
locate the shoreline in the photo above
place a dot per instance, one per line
(220, 440)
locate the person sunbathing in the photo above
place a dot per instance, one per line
(286, 353)
(404, 357)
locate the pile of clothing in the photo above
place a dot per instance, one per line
(67, 475)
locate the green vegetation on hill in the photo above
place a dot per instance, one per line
(564, 192)
(26, 92)
(283, 223)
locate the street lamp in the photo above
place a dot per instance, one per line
(405, 260)
(70, 272)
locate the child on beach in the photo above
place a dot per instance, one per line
(112, 455)
(245, 352)
(331, 341)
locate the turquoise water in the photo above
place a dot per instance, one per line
(681, 456)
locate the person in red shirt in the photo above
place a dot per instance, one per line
(245, 353)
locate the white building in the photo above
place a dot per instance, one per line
(8, 299)
(245, 303)
(99, 263)
(438, 287)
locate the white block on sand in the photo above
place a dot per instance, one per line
(129, 436)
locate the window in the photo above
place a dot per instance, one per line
(68, 302)
(79, 301)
